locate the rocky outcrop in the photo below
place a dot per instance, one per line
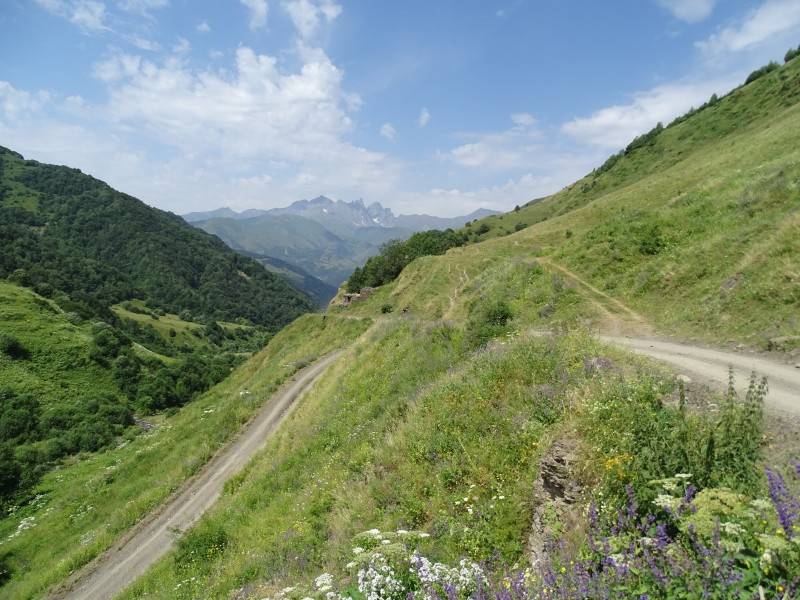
(557, 496)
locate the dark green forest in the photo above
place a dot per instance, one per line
(72, 237)
(89, 251)
(395, 255)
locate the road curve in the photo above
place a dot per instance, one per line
(124, 562)
(712, 366)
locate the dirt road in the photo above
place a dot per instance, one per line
(123, 563)
(711, 366)
(622, 326)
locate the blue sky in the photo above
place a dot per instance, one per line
(439, 106)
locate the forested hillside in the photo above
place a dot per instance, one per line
(73, 237)
(110, 309)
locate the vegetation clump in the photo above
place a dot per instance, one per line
(683, 544)
(394, 256)
(12, 347)
(760, 72)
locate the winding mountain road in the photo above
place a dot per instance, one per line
(620, 325)
(118, 567)
(712, 367)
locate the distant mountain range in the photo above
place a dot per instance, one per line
(325, 238)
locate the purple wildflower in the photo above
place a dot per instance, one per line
(786, 505)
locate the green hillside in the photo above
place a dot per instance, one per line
(298, 240)
(68, 234)
(696, 225)
(471, 368)
(318, 290)
(81, 508)
(110, 308)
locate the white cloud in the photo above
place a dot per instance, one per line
(215, 54)
(89, 15)
(213, 131)
(515, 148)
(203, 27)
(501, 196)
(257, 109)
(256, 181)
(145, 44)
(773, 18)
(523, 119)
(388, 131)
(14, 102)
(259, 9)
(142, 7)
(424, 117)
(307, 15)
(691, 11)
(615, 126)
(116, 67)
(182, 46)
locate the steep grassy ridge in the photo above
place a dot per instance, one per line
(697, 229)
(57, 366)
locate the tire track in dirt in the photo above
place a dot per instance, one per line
(113, 571)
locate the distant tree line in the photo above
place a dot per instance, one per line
(395, 255)
(649, 137)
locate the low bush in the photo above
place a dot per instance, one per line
(760, 72)
(201, 544)
(488, 320)
(637, 437)
(12, 347)
(39, 436)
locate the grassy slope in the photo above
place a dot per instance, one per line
(407, 420)
(721, 188)
(59, 367)
(398, 432)
(84, 507)
(185, 331)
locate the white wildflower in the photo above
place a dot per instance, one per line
(761, 504)
(324, 580)
(732, 528)
(666, 502)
